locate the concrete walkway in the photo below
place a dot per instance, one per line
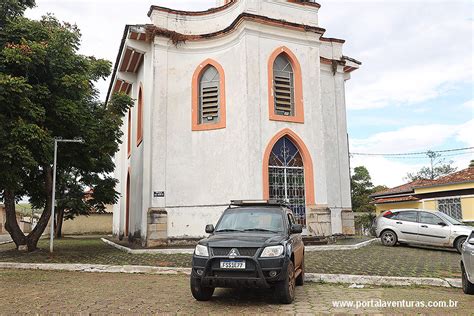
(309, 277)
(5, 238)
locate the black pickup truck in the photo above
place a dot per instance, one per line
(254, 244)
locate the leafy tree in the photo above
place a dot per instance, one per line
(438, 167)
(47, 91)
(361, 189)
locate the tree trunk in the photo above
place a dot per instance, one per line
(59, 223)
(34, 236)
(11, 224)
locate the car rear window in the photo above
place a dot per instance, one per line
(406, 216)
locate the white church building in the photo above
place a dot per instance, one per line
(242, 101)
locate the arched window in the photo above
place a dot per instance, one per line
(288, 173)
(208, 102)
(209, 96)
(140, 117)
(286, 177)
(283, 86)
(285, 90)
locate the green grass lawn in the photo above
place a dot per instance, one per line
(371, 260)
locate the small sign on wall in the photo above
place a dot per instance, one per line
(158, 194)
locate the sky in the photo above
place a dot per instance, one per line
(413, 92)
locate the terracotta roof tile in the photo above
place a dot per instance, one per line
(395, 199)
(404, 188)
(465, 175)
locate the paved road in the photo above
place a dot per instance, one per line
(45, 292)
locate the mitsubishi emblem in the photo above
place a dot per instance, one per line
(233, 253)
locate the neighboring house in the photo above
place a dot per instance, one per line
(452, 194)
(242, 101)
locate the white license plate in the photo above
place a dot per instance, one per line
(232, 264)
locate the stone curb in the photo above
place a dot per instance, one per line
(381, 280)
(309, 277)
(149, 251)
(79, 267)
(190, 250)
(341, 247)
(5, 242)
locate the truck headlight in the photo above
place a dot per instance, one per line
(201, 251)
(272, 251)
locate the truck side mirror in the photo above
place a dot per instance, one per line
(442, 223)
(209, 228)
(296, 229)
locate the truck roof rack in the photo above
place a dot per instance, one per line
(270, 202)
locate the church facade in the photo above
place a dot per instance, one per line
(242, 101)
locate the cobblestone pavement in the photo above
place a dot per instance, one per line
(371, 260)
(46, 292)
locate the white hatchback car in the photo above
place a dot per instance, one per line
(467, 265)
(415, 226)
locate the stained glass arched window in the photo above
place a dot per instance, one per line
(286, 177)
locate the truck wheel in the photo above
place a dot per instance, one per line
(200, 292)
(389, 238)
(467, 287)
(459, 242)
(300, 278)
(286, 288)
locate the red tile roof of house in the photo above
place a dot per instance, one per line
(465, 175)
(395, 199)
(404, 188)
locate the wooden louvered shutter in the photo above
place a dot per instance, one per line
(209, 96)
(283, 86)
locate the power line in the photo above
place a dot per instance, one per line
(412, 153)
(421, 157)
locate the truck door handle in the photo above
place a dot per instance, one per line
(424, 226)
(398, 222)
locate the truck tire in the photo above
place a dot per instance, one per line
(467, 287)
(286, 288)
(200, 292)
(459, 242)
(300, 279)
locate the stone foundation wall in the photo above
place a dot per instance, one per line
(318, 221)
(348, 227)
(157, 228)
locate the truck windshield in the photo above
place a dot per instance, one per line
(249, 219)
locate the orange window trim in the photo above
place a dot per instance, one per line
(195, 98)
(129, 133)
(307, 162)
(140, 116)
(298, 86)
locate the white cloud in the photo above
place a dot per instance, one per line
(414, 138)
(102, 21)
(417, 138)
(411, 51)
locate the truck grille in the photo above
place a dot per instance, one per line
(224, 251)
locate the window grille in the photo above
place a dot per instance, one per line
(209, 96)
(283, 86)
(286, 177)
(451, 207)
